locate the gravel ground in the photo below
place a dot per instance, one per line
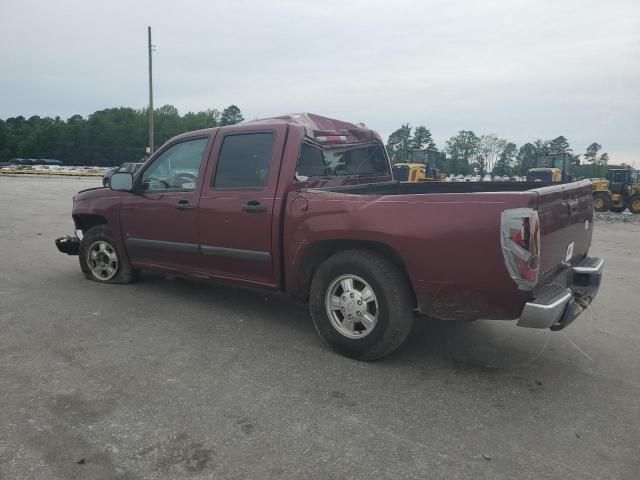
(610, 217)
(176, 379)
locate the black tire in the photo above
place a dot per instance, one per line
(634, 204)
(601, 202)
(394, 304)
(617, 209)
(124, 273)
(105, 183)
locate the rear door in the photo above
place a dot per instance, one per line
(235, 221)
(566, 216)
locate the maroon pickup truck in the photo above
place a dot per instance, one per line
(307, 205)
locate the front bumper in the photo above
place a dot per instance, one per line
(69, 245)
(559, 303)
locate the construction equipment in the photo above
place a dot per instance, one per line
(419, 167)
(621, 190)
(551, 167)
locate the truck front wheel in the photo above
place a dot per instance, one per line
(634, 204)
(361, 304)
(101, 260)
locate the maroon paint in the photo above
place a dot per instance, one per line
(449, 243)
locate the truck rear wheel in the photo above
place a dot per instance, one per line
(601, 202)
(634, 204)
(101, 260)
(361, 304)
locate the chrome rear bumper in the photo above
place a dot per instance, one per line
(558, 303)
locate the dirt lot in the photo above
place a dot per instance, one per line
(175, 379)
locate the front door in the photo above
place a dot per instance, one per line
(236, 206)
(158, 220)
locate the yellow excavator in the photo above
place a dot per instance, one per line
(620, 190)
(419, 167)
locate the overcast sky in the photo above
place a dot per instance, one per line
(520, 69)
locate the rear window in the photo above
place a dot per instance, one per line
(363, 160)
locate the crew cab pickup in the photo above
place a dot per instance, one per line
(307, 205)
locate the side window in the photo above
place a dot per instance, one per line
(176, 168)
(244, 161)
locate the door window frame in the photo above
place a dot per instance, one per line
(156, 156)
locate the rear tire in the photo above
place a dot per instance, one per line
(601, 202)
(370, 317)
(101, 260)
(634, 204)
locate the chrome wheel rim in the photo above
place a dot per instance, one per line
(102, 260)
(352, 306)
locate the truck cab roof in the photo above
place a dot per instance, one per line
(316, 127)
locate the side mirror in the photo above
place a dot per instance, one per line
(122, 182)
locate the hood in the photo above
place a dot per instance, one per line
(97, 192)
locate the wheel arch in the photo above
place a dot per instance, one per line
(86, 221)
(319, 251)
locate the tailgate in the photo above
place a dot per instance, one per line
(566, 224)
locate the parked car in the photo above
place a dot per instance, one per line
(124, 168)
(307, 205)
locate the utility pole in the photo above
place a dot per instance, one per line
(150, 94)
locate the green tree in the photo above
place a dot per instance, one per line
(591, 156)
(231, 116)
(560, 145)
(463, 150)
(399, 144)
(602, 162)
(525, 159)
(422, 138)
(507, 161)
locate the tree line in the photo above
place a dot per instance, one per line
(467, 153)
(105, 138)
(116, 135)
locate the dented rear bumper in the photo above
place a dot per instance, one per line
(557, 304)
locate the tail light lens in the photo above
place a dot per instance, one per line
(520, 240)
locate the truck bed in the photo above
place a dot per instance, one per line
(450, 236)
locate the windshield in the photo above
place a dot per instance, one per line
(361, 160)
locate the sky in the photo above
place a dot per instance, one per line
(519, 69)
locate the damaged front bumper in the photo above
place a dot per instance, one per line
(559, 303)
(70, 245)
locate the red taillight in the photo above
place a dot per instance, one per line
(520, 241)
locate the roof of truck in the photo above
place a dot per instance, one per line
(316, 124)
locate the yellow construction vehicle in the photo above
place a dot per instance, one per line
(552, 167)
(544, 174)
(621, 190)
(419, 167)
